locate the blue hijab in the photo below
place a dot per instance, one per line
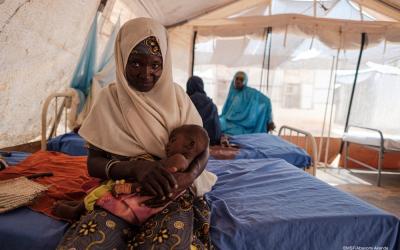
(245, 111)
(206, 108)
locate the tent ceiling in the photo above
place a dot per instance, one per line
(393, 3)
(173, 12)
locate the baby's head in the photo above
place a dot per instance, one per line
(188, 140)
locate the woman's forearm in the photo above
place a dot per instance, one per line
(119, 170)
(97, 162)
(200, 163)
(96, 166)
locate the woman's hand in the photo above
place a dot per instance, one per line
(271, 127)
(224, 141)
(155, 180)
(183, 179)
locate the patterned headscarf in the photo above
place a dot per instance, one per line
(148, 46)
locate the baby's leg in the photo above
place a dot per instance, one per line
(70, 210)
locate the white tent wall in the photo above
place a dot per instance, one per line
(181, 41)
(40, 45)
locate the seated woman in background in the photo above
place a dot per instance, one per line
(205, 106)
(246, 110)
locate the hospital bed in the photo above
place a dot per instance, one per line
(372, 139)
(255, 204)
(291, 144)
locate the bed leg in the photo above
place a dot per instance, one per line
(346, 154)
(380, 160)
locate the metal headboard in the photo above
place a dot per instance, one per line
(66, 101)
(309, 141)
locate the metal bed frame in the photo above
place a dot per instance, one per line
(66, 104)
(381, 152)
(309, 140)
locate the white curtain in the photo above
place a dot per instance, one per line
(377, 93)
(300, 74)
(217, 59)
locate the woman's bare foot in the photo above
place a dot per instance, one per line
(70, 210)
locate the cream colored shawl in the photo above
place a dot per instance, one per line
(127, 122)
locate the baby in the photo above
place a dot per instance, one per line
(122, 199)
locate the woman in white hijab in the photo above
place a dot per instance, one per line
(131, 121)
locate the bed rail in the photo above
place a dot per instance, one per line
(309, 140)
(66, 103)
(380, 149)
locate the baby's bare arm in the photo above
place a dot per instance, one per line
(175, 163)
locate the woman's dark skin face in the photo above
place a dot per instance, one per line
(143, 71)
(239, 81)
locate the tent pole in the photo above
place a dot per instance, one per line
(346, 126)
(315, 8)
(269, 55)
(267, 34)
(321, 140)
(193, 50)
(331, 115)
(263, 62)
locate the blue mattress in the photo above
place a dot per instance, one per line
(263, 145)
(69, 143)
(270, 204)
(26, 229)
(16, 157)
